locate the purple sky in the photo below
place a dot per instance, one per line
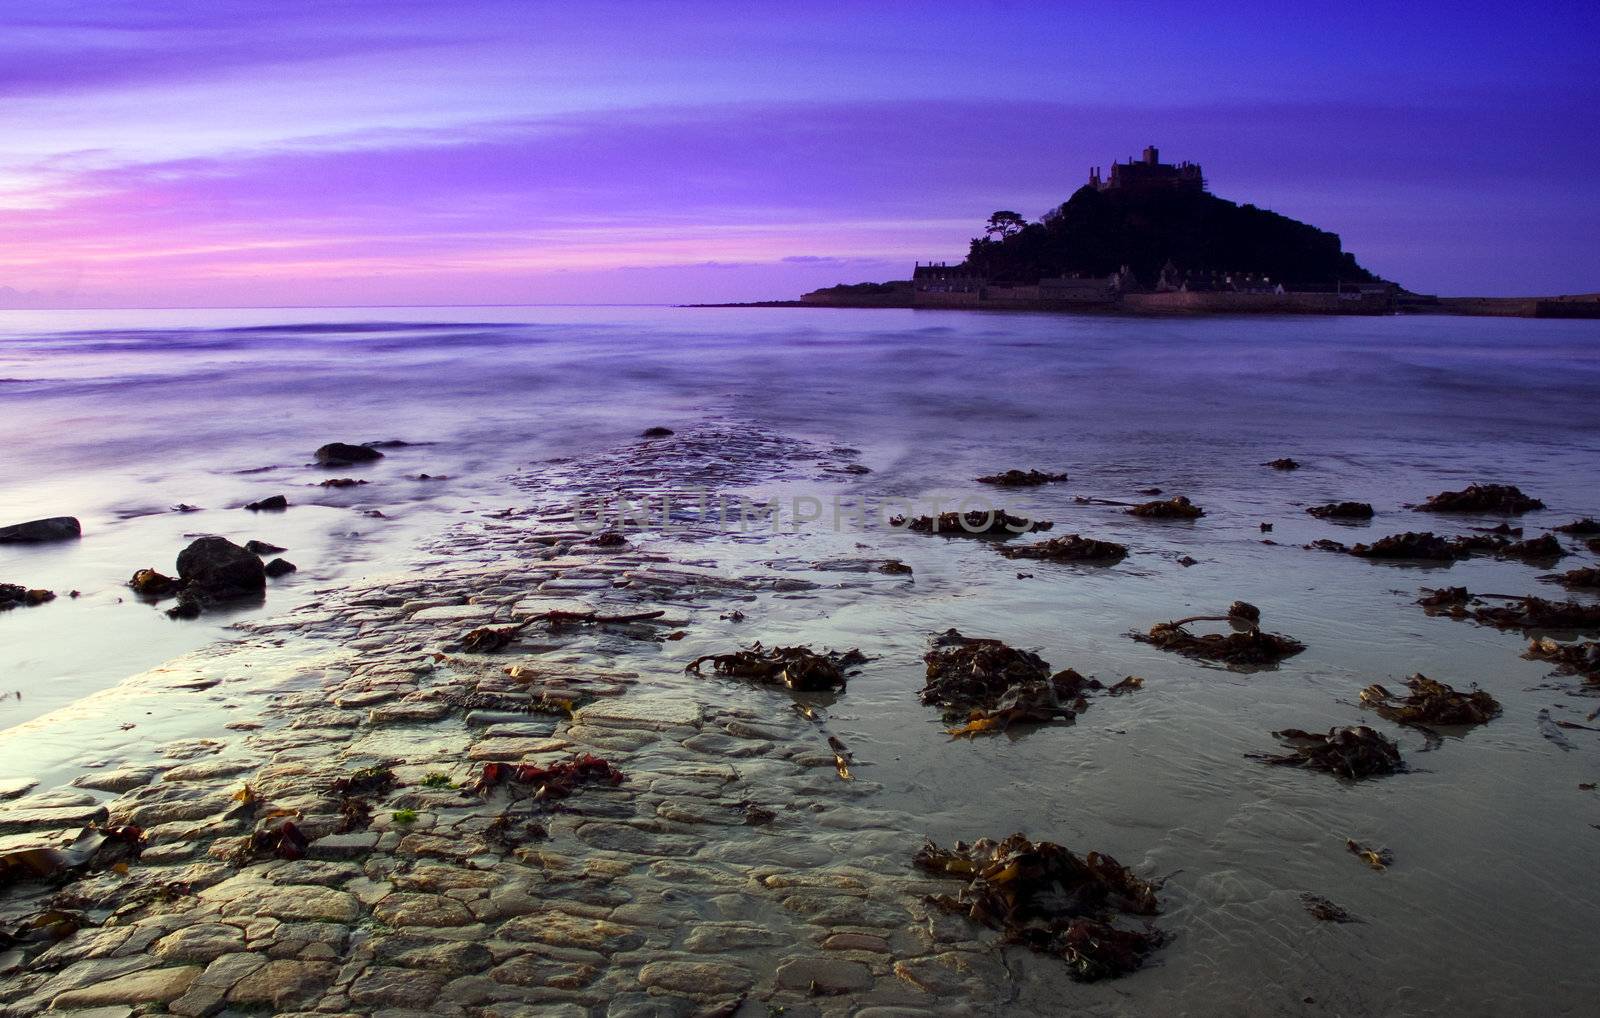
(490, 151)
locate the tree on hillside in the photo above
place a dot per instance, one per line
(1004, 224)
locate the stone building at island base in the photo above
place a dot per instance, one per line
(938, 285)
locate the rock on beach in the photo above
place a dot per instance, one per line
(218, 569)
(57, 528)
(342, 454)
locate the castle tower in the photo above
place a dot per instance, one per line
(1152, 155)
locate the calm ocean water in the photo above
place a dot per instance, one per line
(117, 416)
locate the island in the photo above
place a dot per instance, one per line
(1150, 238)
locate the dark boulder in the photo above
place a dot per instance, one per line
(272, 503)
(262, 548)
(656, 432)
(57, 528)
(279, 567)
(216, 569)
(341, 454)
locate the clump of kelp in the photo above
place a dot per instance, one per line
(1586, 527)
(1354, 751)
(1535, 550)
(1431, 702)
(797, 668)
(1068, 548)
(1324, 910)
(1520, 611)
(1425, 546)
(1429, 547)
(1378, 859)
(1587, 578)
(1342, 511)
(978, 523)
(1246, 646)
(1042, 896)
(1482, 498)
(1283, 463)
(1450, 601)
(1178, 507)
(13, 596)
(1021, 478)
(1538, 613)
(989, 686)
(1582, 658)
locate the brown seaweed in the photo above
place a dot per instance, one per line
(154, 585)
(282, 840)
(1481, 498)
(997, 523)
(1342, 511)
(1377, 858)
(1324, 910)
(1429, 547)
(374, 780)
(1451, 601)
(1354, 751)
(1248, 647)
(1581, 658)
(1501, 529)
(1538, 613)
(988, 686)
(488, 639)
(1587, 578)
(1423, 546)
(985, 680)
(1021, 478)
(797, 668)
(13, 596)
(1044, 897)
(1178, 507)
(1068, 548)
(1586, 527)
(1431, 702)
(1282, 463)
(1535, 550)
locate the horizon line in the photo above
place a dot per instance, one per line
(329, 307)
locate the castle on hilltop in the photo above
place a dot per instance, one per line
(1149, 239)
(1149, 174)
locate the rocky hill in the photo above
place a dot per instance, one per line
(1097, 231)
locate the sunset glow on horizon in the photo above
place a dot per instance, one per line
(497, 152)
